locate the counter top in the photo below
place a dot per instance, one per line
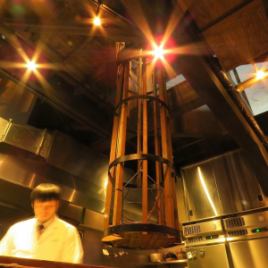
(6, 262)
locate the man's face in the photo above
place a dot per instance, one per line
(45, 210)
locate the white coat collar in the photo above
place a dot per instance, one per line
(47, 223)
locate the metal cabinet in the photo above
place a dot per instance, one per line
(250, 254)
(212, 256)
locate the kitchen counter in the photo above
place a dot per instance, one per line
(30, 263)
(177, 263)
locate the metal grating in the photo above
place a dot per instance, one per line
(190, 230)
(235, 222)
(237, 232)
(195, 239)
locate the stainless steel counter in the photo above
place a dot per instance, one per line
(232, 241)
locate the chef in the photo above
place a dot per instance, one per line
(45, 236)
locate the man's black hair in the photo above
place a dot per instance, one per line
(45, 192)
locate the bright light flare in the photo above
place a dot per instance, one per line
(158, 52)
(97, 21)
(260, 74)
(31, 65)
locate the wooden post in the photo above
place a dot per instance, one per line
(139, 122)
(157, 153)
(168, 196)
(172, 179)
(144, 148)
(109, 190)
(121, 143)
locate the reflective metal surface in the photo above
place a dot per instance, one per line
(214, 256)
(213, 226)
(205, 244)
(247, 236)
(29, 156)
(247, 226)
(218, 186)
(238, 240)
(204, 233)
(249, 254)
(16, 102)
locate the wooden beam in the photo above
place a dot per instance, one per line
(166, 153)
(64, 100)
(202, 74)
(144, 148)
(139, 122)
(159, 195)
(109, 191)
(234, 42)
(59, 98)
(121, 144)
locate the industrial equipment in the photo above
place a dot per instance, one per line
(230, 241)
(247, 236)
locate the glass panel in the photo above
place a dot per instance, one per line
(257, 94)
(175, 81)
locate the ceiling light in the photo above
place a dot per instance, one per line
(97, 21)
(260, 74)
(158, 52)
(31, 65)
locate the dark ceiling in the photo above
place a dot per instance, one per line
(78, 98)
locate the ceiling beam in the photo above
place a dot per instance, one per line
(113, 34)
(88, 111)
(200, 149)
(204, 76)
(77, 109)
(70, 74)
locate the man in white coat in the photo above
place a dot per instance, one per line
(45, 236)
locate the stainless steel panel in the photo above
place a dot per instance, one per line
(204, 233)
(257, 219)
(252, 225)
(213, 256)
(80, 172)
(16, 102)
(29, 156)
(94, 219)
(250, 254)
(211, 227)
(57, 149)
(25, 137)
(220, 185)
(201, 192)
(77, 159)
(4, 125)
(26, 171)
(181, 202)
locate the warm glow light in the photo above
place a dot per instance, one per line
(105, 184)
(158, 52)
(31, 65)
(205, 188)
(97, 21)
(261, 74)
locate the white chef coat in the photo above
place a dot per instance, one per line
(60, 241)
